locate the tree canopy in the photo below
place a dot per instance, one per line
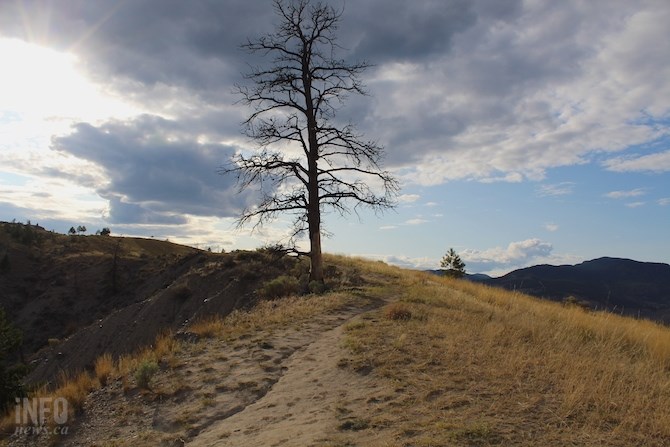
(452, 264)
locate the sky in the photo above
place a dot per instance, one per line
(522, 132)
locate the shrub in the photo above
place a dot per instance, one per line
(280, 287)
(104, 366)
(75, 390)
(397, 311)
(317, 287)
(145, 372)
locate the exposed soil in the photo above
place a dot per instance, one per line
(278, 387)
(75, 298)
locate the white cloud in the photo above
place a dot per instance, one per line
(514, 252)
(551, 227)
(408, 198)
(557, 189)
(626, 194)
(658, 162)
(388, 227)
(416, 221)
(547, 86)
(635, 204)
(420, 263)
(499, 260)
(664, 201)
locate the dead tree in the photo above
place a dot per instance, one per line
(306, 161)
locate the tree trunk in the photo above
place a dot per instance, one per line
(314, 219)
(316, 257)
(314, 205)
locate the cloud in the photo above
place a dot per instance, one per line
(416, 221)
(490, 91)
(416, 263)
(635, 204)
(658, 162)
(551, 227)
(388, 227)
(626, 194)
(154, 171)
(548, 85)
(515, 255)
(408, 198)
(395, 31)
(482, 90)
(554, 190)
(664, 201)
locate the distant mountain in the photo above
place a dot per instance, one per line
(621, 285)
(478, 277)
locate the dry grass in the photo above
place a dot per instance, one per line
(397, 311)
(269, 314)
(104, 367)
(482, 366)
(75, 389)
(466, 364)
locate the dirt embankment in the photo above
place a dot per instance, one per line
(77, 297)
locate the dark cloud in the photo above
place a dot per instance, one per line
(382, 30)
(156, 171)
(136, 45)
(463, 88)
(122, 212)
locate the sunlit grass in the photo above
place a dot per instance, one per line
(465, 364)
(520, 370)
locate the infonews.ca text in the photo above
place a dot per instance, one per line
(41, 416)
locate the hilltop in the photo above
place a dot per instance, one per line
(76, 297)
(385, 357)
(638, 289)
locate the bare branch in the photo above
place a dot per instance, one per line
(293, 100)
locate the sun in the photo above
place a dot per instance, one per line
(38, 82)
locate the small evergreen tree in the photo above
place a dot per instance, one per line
(452, 264)
(81, 229)
(72, 231)
(105, 231)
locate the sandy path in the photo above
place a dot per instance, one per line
(302, 408)
(283, 386)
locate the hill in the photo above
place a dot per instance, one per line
(75, 297)
(401, 358)
(385, 357)
(639, 289)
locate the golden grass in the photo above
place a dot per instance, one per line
(468, 364)
(75, 389)
(269, 314)
(104, 367)
(484, 366)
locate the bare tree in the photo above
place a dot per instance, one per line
(306, 162)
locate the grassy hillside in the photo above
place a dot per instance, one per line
(52, 285)
(472, 365)
(391, 358)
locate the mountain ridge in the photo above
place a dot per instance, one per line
(630, 287)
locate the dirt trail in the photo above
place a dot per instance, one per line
(305, 407)
(281, 386)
